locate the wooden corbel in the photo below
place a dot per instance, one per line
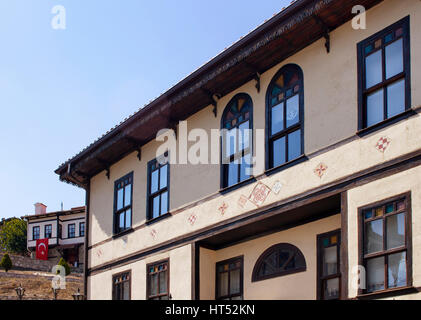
(213, 98)
(106, 167)
(256, 77)
(136, 145)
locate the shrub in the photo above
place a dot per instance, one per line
(66, 266)
(6, 262)
(13, 236)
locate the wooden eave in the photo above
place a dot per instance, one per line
(54, 214)
(291, 30)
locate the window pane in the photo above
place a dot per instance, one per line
(397, 270)
(292, 110)
(269, 266)
(278, 118)
(126, 290)
(245, 134)
(121, 221)
(117, 289)
(163, 282)
(331, 290)
(294, 145)
(395, 231)
(164, 203)
(155, 207)
(128, 195)
(279, 156)
(154, 181)
(223, 284)
(330, 261)
(375, 274)
(128, 218)
(396, 98)
(394, 58)
(235, 281)
(153, 284)
(120, 199)
(245, 169)
(231, 142)
(232, 173)
(375, 111)
(374, 236)
(163, 177)
(373, 69)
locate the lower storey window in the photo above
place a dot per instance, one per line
(386, 254)
(229, 279)
(121, 286)
(329, 276)
(158, 281)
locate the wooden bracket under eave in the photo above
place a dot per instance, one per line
(213, 98)
(107, 167)
(327, 41)
(256, 77)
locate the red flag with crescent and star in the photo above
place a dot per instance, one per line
(42, 249)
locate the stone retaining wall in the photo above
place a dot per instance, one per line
(27, 263)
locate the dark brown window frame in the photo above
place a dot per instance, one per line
(269, 251)
(116, 214)
(228, 261)
(247, 151)
(81, 234)
(150, 196)
(148, 289)
(129, 273)
(270, 138)
(33, 232)
(74, 230)
(50, 232)
(406, 75)
(320, 277)
(408, 245)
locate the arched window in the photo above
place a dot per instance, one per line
(279, 260)
(236, 146)
(285, 112)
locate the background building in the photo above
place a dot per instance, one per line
(65, 231)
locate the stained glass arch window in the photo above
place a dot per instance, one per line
(279, 260)
(285, 113)
(236, 146)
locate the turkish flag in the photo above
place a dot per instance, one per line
(42, 249)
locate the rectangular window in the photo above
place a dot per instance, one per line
(122, 286)
(384, 74)
(229, 279)
(123, 193)
(328, 265)
(158, 280)
(60, 228)
(71, 228)
(48, 231)
(35, 233)
(82, 229)
(385, 244)
(158, 187)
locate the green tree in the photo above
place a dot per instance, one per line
(6, 262)
(66, 266)
(13, 236)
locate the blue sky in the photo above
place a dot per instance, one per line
(62, 89)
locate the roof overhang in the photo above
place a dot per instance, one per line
(73, 211)
(294, 28)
